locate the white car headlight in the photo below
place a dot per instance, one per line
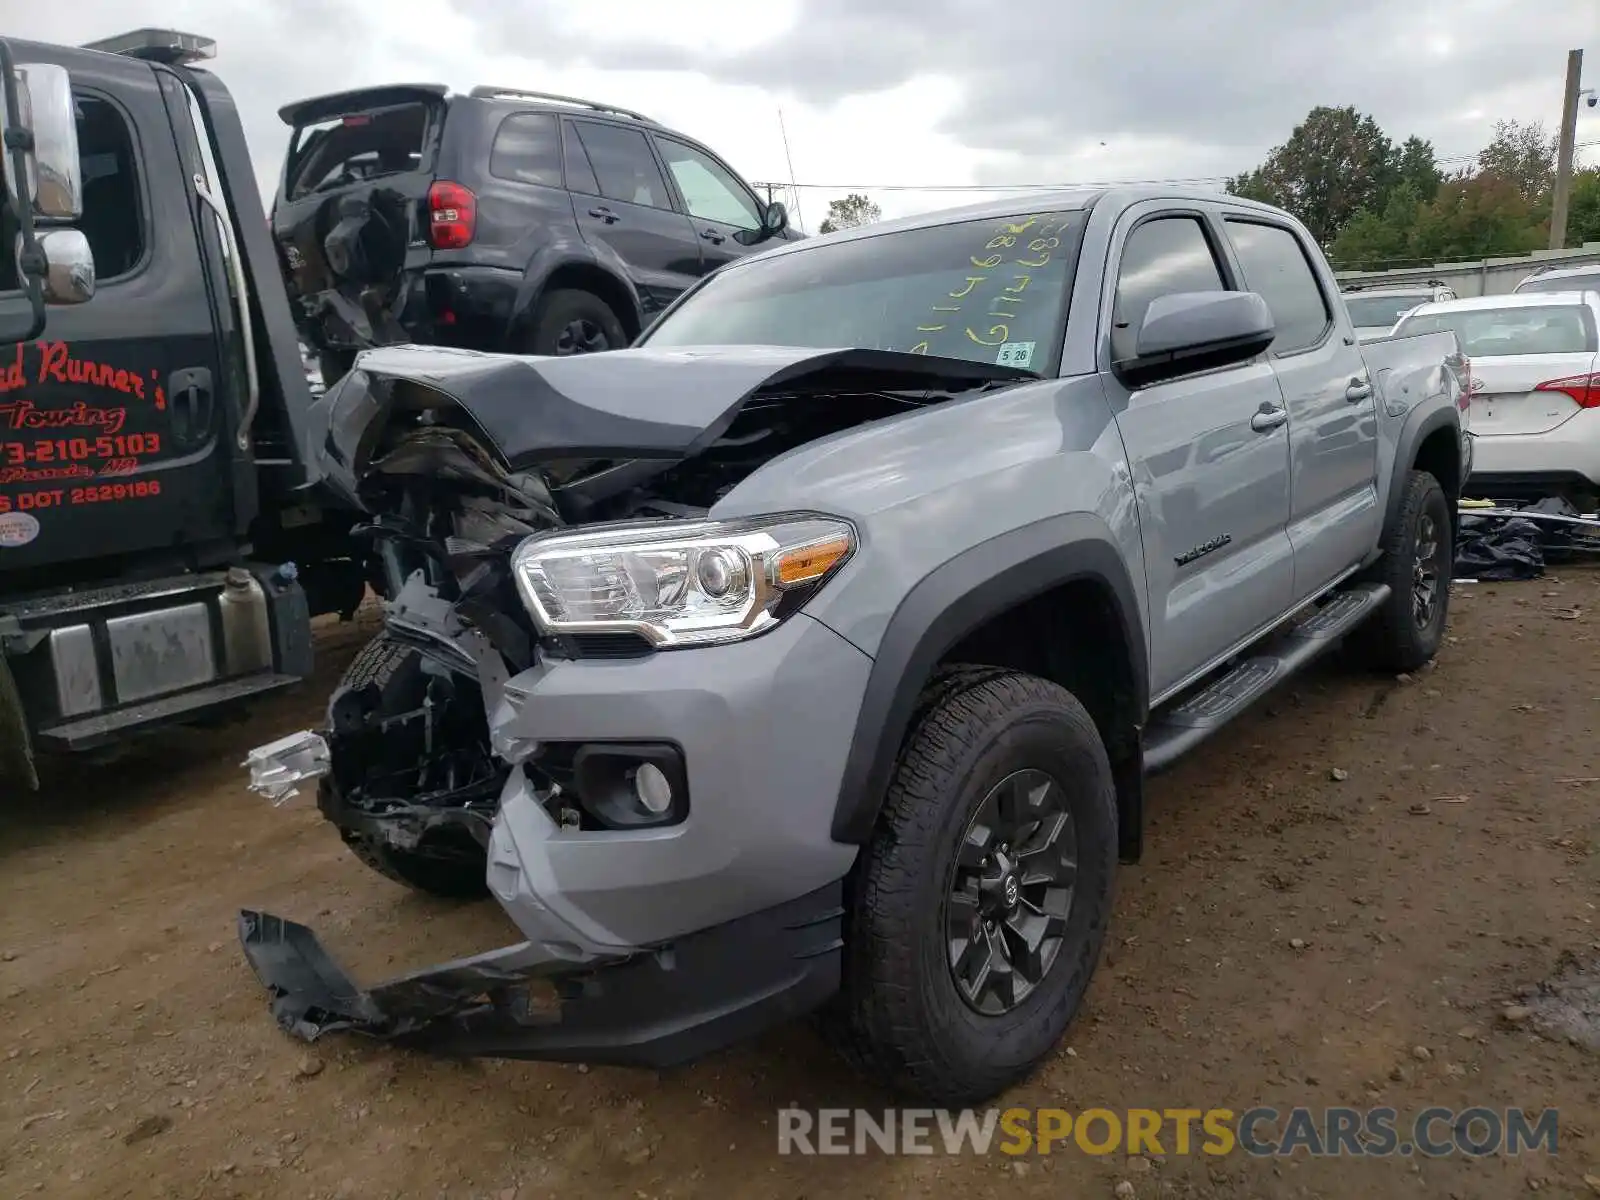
(679, 583)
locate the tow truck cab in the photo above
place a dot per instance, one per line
(162, 545)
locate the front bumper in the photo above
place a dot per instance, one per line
(654, 1009)
(684, 935)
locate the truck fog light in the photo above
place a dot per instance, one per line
(654, 790)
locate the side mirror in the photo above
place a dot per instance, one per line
(54, 183)
(68, 266)
(775, 219)
(1195, 331)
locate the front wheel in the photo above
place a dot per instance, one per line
(1417, 564)
(980, 905)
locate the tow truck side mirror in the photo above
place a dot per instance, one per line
(54, 183)
(43, 177)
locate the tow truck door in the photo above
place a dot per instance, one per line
(118, 424)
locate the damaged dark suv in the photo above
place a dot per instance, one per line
(501, 220)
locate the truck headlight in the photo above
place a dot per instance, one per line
(680, 583)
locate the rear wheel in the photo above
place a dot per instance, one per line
(570, 321)
(979, 907)
(1417, 564)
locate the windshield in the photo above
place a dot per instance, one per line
(1526, 329)
(1369, 311)
(990, 291)
(1576, 281)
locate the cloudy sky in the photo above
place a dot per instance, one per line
(903, 95)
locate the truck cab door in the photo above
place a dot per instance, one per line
(1209, 454)
(1333, 416)
(114, 434)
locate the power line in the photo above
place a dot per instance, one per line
(1050, 187)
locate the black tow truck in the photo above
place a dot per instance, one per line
(163, 542)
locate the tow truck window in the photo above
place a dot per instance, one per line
(355, 148)
(113, 220)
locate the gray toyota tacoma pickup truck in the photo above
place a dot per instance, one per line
(810, 654)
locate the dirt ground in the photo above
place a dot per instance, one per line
(1340, 897)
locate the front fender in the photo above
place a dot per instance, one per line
(949, 603)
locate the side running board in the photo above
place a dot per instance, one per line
(1200, 713)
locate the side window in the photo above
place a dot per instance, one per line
(580, 175)
(527, 149)
(1161, 257)
(710, 192)
(113, 217)
(623, 164)
(1275, 267)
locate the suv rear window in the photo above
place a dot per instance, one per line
(1520, 329)
(1368, 312)
(355, 148)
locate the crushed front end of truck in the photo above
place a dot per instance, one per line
(656, 824)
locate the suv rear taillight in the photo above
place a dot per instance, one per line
(452, 216)
(1584, 389)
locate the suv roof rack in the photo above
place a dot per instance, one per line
(1378, 285)
(166, 46)
(494, 93)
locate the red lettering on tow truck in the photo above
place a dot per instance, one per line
(14, 376)
(24, 414)
(56, 363)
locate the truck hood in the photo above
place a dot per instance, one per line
(643, 403)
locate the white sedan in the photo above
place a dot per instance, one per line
(1535, 390)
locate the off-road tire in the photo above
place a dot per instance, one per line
(899, 1017)
(450, 878)
(1392, 639)
(388, 666)
(563, 307)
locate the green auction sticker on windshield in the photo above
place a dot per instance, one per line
(1015, 354)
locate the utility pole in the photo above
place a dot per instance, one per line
(1564, 152)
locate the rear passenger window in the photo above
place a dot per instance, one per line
(623, 164)
(527, 149)
(1160, 258)
(113, 214)
(1275, 268)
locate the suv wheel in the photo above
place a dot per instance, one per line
(568, 321)
(979, 907)
(1417, 564)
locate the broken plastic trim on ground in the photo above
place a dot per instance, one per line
(1498, 542)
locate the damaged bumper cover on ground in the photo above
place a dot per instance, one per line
(657, 1008)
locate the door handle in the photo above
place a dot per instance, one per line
(605, 214)
(1268, 418)
(189, 398)
(1359, 389)
(712, 236)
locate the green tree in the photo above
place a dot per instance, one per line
(1475, 218)
(1373, 240)
(1336, 163)
(1583, 208)
(855, 209)
(1524, 155)
(1419, 168)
